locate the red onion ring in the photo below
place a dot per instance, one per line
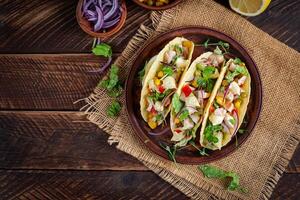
(236, 117)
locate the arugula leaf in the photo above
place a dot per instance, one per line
(214, 172)
(102, 50)
(201, 151)
(171, 151)
(176, 103)
(114, 109)
(209, 132)
(184, 115)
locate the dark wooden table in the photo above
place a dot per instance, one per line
(49, 151)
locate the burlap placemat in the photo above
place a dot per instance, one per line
(263, 158)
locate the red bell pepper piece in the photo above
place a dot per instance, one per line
(178, 131)
(161, 89)
(153, 111)
(186, 90)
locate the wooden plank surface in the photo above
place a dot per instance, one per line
(106, 185)
(42, 26)
(64, 140)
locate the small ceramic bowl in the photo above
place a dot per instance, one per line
(170, 5)
(87, 27)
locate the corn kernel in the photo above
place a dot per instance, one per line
(160, 74)
(220, 100)
(152, 124)
(237, 103)
(157, 82)
(177, 121)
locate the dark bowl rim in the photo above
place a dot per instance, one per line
(155, 148)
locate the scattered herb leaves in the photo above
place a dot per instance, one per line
(201, 151)
(209, 132)
(176, 103)
(102, 50)
(171, 151)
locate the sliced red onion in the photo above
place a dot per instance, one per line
(167, 97)
(113, 9)
(236, 117)
(100, 19)
(104, 67)
(225, 92)
(226, 129)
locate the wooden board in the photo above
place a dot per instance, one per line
(40, 129)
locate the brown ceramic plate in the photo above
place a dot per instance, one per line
(167, 6)
(133, 89)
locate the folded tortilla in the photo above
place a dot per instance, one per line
(153, 68)
(194, 103)
(235, 112)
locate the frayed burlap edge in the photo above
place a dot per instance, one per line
(96, 116)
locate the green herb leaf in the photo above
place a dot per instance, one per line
(237, 61)
(205, 44)
(157, 96)
(201, 151)
(214, 172)
(167, 71)
(209, 132)
(238, 70)
(102, 50)
(176, 103)
(242, 131)
(171, 151)
(208, 71)
(114, 109)
(218, 51)
(184, 115)
(178, 49)
(232, 121)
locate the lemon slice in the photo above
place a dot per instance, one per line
(249, 7)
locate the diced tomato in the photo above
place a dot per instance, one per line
(161, 89)
(211, 109)
(186, 90)
(234, 110)
(178, 131)
(153, 111)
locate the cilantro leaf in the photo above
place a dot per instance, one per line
(178, 49)
(114, 109)
(209, 132)
(184, 115)
(237, 61)
(102, 50)
(176, 103)
(237, 71)
(205, 44)
(214, 172)
(157, 96)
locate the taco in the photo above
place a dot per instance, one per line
(162, 80)
(192, 95)
(224, 115)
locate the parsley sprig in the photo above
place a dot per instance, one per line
(223, 45)
(171, 151)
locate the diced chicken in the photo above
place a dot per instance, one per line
(191, 110)
(150, 104)
(158, 106)
(189, 77)
(229, 96)
(180, 62)
(188, 124)
(234, 88)
(152, 86)
(169, 83)
(192, 101)
(195, 117)
(215, 59)
(229, 121)
(217, 116)
(242, 80)
(178, 136)
(229, 106)
(232, 66)
(169, 55)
